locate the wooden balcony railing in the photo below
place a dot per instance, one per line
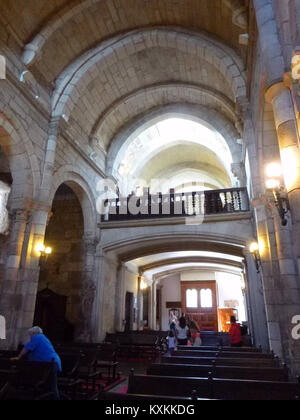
(176, 205)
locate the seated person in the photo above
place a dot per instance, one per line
(235, 333)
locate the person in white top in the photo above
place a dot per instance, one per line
(182, 332)
(173, 321)
(171, 341)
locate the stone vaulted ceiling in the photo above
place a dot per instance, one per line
(107, 63)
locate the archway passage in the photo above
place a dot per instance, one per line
(207, 287)
(172, 151)
(58, 300)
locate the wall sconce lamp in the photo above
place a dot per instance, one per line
(45, 252)
(143, 285)
(274, 184)
(254, 249)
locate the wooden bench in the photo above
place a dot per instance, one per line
(221, 389)
(135, 345)
(220, 361)
(222, 349)
(114, 396)
(107, 360)
(221, 354)
(224, 372)
(28, 381)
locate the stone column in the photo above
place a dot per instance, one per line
(105, 295)
(88, 289)
(153, 325)
(11, 297)
(256, 303)
(120, 299)
(53, 133)
(30, 267)
(288, 138)
(139, 303)
(4, 219)
(269, 40)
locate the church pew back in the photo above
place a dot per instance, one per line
(223, 389)
(114, 396)
(220, 361)
(227, 354)
(223, 349)
(168, 386)
(225, 372)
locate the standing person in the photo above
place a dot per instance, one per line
(173, 321)
(235, 333)
(171, 341)
(182, 332)
(40, 349)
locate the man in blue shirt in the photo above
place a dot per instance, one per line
(40, 349)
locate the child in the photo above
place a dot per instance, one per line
(171, 341)
(197, 341)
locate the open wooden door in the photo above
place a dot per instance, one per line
(199, 302)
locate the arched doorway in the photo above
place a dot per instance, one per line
(60, 282)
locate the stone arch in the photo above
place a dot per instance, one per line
(22, 159)
(143, 245)
(193, 112)
(220, 99)
(222, 57)
(80, 187)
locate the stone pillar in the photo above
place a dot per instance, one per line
(280, 97)
(4, 220)
(120, 299)
(30, 267)
(139, 304)
(106, 270)
(270, 272)
(153, 325)
(54, 128)
(256, 303)
(11, 297)
(88, 289)
(269, 40)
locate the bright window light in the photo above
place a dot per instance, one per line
(191, 298)
(206, 298)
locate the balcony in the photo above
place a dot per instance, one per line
(159, 206)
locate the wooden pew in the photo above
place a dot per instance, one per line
(114, 396)
(29, 381)
(224, 372)
(222, 349)
(168, 386)
(135, 345)
(107, 360)
(221, 354)
(222, 389)
(220, 361)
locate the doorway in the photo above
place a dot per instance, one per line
(199, 303)
(129, 311)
